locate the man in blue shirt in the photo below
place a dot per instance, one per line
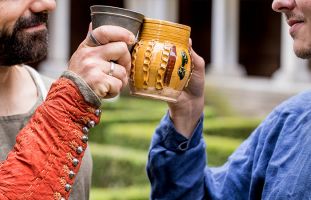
(273, 163)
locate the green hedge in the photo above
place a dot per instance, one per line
(127, 109)
(138, 136)
(129, 193)
(120, 143)
(131, 135)
(130, 109)
(120, 166)
(219, 103)
(235, 127)
(127, 134)
(220, 148)
(115, 166)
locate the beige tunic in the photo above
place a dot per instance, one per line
(11, 125)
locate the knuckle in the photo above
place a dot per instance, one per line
(125, 81)
(124, 46)
(199, 61)
(102, 29)
(87, 64)
(92, 78)
(104, 35)
(202, 61)
(102, 93)
(94, 75)
(125, 53)
(119, 85)
(123, 72)
(86, 53)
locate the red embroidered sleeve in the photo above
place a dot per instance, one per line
(49, 149)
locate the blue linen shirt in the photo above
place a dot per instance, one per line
(273, 163)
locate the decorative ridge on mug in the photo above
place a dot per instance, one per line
(166, 23)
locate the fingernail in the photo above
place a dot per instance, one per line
(132, 39)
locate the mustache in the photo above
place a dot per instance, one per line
(33, 20)
(294, 16)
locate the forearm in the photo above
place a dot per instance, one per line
(176, 164)
(49, 149)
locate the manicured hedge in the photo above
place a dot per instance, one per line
(235, 127)
(120, 143)
(219, 149)
(130, 109)
(129, 193)
(119, 166)
(127, 134)
(138, 135)
(115, 166)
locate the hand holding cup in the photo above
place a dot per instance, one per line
(93, 61)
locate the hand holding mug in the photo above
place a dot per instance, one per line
(190, 104)
(103, 61)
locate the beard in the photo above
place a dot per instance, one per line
(303, 53)
(21, 47)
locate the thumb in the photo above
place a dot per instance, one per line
(198, 62)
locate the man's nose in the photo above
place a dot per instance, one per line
(283, 5)
(43, 5)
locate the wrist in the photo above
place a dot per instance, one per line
(88, 94)
(186, 115)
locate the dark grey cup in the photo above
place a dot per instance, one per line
(108, 15)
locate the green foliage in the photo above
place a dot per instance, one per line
(129, 193)
(235, 127)
(139, 135)
(119, 166)
(132, 109)
(116, 166)
(217, 101)
(130, 134)
(219, 148)
(120, 143)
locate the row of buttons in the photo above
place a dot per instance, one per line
(79, 150)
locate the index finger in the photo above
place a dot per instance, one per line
(108, 33)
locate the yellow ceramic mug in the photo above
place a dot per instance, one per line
(161, 60)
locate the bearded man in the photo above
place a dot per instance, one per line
(43, 136)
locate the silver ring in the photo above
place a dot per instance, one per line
(112, 67)
(93, 39)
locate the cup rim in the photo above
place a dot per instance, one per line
(119, 15)
(139, 15)
(167, 23)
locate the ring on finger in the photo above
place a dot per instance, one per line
(93, 39)
(112, 67)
